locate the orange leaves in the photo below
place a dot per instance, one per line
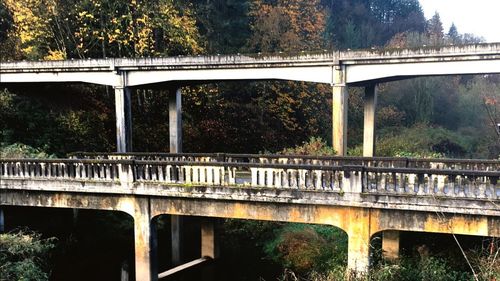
(290, 25)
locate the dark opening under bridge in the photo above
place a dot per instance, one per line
(362, 196)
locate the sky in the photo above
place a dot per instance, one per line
(480, 17)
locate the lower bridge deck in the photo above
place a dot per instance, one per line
(362, 196)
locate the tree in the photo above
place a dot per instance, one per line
(435, 30)
(224, 24)
(23, 256)
(453, 34)
(139, 28)
(287, 25)
(6, 22)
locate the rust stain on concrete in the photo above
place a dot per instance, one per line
(457, 225)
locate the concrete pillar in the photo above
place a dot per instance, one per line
(358, 253)
(123, 119)
(390, 245)
(145, 243)
(369, 120)
(2, 221)
(175, 128)
(176, 232)
(339, 118)
(175, 121)
(124, 272)
(209, 247)
(358, 248)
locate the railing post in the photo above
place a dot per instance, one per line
(126, 168)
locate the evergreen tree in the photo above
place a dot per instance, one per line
(435, 30)
(453, 34)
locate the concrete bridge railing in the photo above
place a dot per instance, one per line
(394, 162)
(473, 184)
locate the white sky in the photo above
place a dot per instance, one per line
(480, 17)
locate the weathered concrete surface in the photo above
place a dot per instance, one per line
(360, 66)
(339, 119)
(209, 245)
(360, 215)
(390, 244)
(123, 110)
(369, 120)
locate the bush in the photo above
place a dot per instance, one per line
(315, 146)
(23, 256)
(423, 141)
(304, 248)
(19, 150)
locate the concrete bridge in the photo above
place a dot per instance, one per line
(362, 196)
(340, 69)
(461, 198)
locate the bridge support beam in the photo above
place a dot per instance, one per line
(339, 118)
(358, 247)
(123, 119)
(175, 132)
(209, 246)
(145, 243)
(390, 245)
(369, 120)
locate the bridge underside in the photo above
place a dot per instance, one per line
(360, 223)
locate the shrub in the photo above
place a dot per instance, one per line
(23, 256)
(19, 150)
(304, 248)
(315, 146)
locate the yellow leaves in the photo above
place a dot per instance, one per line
(55, 55)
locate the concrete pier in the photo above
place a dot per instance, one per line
(369, 120)
(123, 111)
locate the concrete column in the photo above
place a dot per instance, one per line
(145, 244)
(209, 247)
(176, 232)
(123, 119)
(358, 248)
(358, 253)
(175, 121)
(369, 122)
(175, 128)
(2, 221)
(339, 118)
(390, 245)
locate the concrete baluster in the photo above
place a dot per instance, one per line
(254, 176)
(441, 185)
(209, 175)
(480, 189)
(261, 177)
(319, 179)
(302, 179)
(232, 176)
(189, 174)
(196, 174)
(411, 184)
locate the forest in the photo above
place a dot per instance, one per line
(432, 117)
